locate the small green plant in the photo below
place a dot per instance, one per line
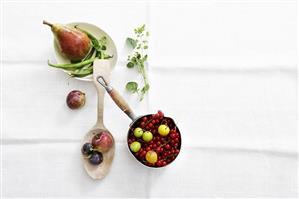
(137, 59)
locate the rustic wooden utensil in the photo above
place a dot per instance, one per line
(100, 67)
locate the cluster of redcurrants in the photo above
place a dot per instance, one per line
(155, 140)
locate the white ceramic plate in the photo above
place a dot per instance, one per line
(98, 33)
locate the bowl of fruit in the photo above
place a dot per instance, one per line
(77, 45)
(154, 140)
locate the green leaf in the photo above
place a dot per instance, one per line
(145, 47)
(140, 29)
(134, 60)
(107, 56)
(132, 87)
(145, 88)
(103, 41)
(99, 54)
(130, 65)
(144, 58)
(98, 48)
(131, 42)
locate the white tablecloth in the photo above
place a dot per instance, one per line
(224, 70)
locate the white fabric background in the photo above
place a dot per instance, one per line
(224, 70)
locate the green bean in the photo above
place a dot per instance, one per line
(82, 73)
(89, 55)
(85, 70)
(70, 66)
(87, 66)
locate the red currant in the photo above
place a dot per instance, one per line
(160, 113)
(144, 119)
(158, 150)
(172, 142)
(172, 135)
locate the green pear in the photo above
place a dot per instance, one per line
(72, 43)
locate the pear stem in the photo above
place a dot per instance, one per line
(47, 23)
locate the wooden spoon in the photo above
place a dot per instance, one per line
(100, 67)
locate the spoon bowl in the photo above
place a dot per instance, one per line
(98, 171)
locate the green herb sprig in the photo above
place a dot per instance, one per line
(137, 59)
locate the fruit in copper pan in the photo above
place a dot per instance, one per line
(147, 136)
(162, 147)
(163, 130)
(138, 132)
(151, 157)
(135, 146)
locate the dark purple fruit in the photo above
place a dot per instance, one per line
(96, 158)
(75, 99)
(87, 149)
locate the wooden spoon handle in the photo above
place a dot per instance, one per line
(117, 98)
(100, 67)
(121, 103)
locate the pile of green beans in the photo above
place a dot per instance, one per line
(85, 66)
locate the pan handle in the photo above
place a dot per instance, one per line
(117, 98)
